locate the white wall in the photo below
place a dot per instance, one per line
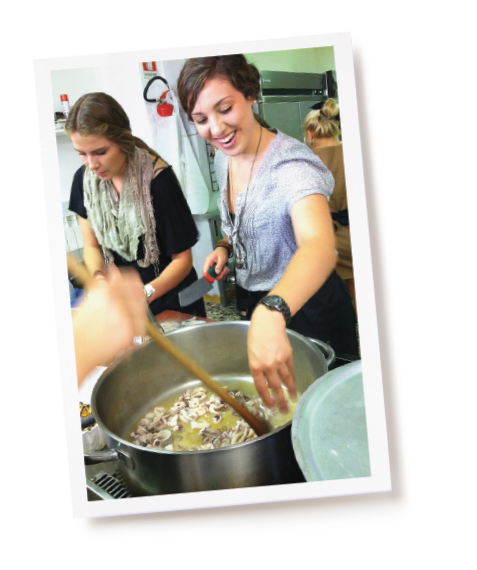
(121, 82)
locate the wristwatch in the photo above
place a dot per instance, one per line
(149, 290)
(276, 303)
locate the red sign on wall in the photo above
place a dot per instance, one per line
(149, 66)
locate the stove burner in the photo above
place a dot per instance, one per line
(105, 486)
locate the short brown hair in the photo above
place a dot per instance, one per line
(243, 76)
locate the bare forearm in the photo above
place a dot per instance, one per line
(308, 269)
(172, 275)
(93, 259)
(86, 360)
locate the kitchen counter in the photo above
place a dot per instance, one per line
(170, 316)
(213, 215)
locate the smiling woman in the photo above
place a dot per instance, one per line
(131, 209)
(274, 212)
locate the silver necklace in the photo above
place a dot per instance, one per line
(240, 254)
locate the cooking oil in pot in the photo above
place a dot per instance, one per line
(197, 419)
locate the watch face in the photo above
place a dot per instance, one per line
(275, 302)
(278, 304)
(149, 290)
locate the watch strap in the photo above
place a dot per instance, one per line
(149, 290)
(276, 303)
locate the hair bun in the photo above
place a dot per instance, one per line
(330, 109)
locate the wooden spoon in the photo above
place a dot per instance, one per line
(259, 426)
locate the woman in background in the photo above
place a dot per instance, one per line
(274, 212)
(131, 209)
(323, 137)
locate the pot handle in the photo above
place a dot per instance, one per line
(326, 349)
(109, 455)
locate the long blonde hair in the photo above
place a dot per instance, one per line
(323, 123)
(101, 115)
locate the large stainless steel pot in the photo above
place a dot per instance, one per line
(147, 375)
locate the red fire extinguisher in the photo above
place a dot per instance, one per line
(164, 107)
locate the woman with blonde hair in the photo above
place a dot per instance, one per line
(274, 212)
(131, 209)
(323, 137)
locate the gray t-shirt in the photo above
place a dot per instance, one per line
(263, 226)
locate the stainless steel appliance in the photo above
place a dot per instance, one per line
(286, 97)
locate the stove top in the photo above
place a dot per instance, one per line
(103, 482)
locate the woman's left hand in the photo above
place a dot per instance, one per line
(270, 357)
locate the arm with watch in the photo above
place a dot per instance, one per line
(269, 351)
(171, 276)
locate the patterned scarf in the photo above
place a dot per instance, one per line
(118, 221)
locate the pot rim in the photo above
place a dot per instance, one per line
(179, 331)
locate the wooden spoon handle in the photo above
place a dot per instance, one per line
(259, 426)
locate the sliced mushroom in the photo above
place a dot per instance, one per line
(163, 438)
(188, 415)
(160, 429)
(164, 434)
(142, 440)
(199, 425)
(201, 410)
(172, 421)
(159, 411)
(209, 432)
(158, 424)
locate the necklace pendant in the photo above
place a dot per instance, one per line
(240, 263)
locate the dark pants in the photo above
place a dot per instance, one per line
(328, 316)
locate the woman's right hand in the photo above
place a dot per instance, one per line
(218, 257)
(113, 314)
